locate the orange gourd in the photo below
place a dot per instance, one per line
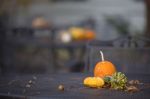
(104, 68)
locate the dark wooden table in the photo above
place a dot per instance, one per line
(45, 86)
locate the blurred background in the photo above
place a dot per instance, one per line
(48, 36)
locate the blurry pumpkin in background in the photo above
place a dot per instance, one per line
(89, 34)
(40, 23)
(77, 33)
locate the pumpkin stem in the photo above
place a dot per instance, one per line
(102, 56)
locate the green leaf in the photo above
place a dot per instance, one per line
(107, 79)
(118, 81)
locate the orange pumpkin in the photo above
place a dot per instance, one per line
(104, 68)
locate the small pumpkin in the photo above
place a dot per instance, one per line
(40, 23)
(104, 68)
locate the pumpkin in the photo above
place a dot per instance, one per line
(77, 33)
(104, 68)
(40, 23)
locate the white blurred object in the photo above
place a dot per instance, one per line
(65, 37)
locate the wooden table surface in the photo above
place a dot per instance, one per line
(45, 86)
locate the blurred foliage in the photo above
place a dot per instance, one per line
(119, 23)
(29, 58)
(8, 9)
(63, 54)
(9, 6)
(24, 3)
(67, 0)
(5, 6)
